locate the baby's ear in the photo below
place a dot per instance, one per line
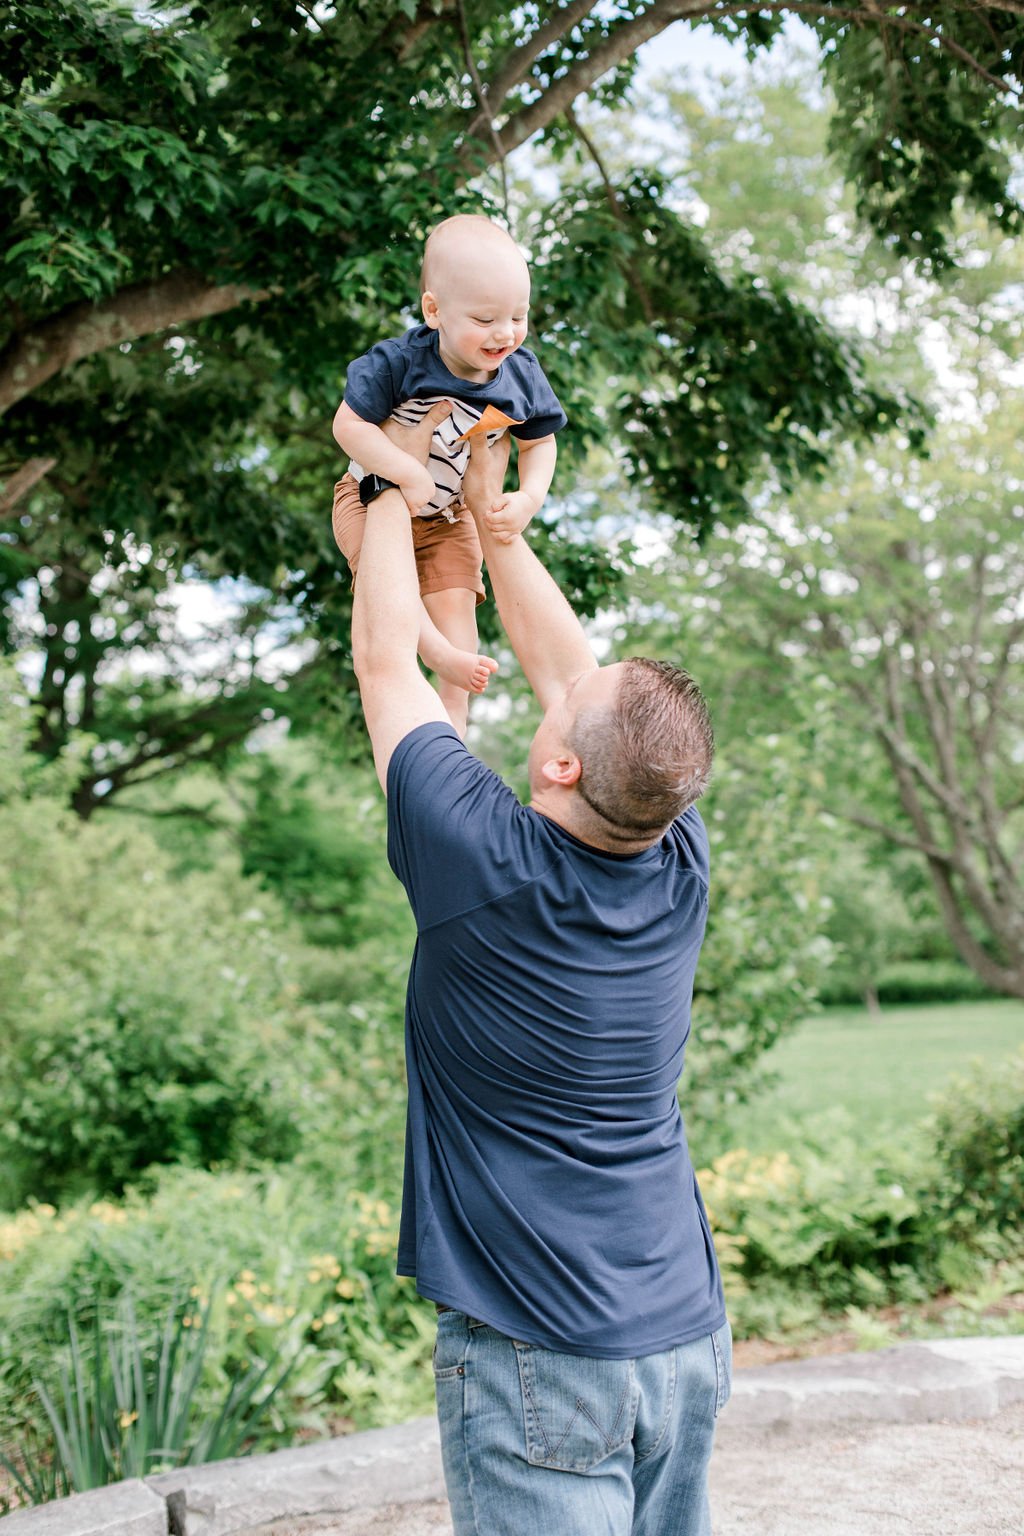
(428, 304)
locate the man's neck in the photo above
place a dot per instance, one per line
(590, 830)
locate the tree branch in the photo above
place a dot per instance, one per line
(629, 36)
(515, 64)
(901, 839)
(626, 39)
(22, 481)
(34, 356)
(615, 203)
(481, 96)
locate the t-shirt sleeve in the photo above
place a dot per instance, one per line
(373, 383)
(453, 827)
(547, 414)
(691, 837)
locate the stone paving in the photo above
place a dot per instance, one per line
(922, 1438)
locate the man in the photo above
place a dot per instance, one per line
(550, 1207)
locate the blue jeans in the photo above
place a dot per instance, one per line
(537, 1443)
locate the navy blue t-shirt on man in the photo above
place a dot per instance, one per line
(548, 1187)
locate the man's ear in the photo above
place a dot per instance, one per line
(563, 770)
(428, 304)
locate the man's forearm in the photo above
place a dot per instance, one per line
(545, 634)
(386, 603)
(364, 442)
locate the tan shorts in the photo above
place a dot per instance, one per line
(447, 554)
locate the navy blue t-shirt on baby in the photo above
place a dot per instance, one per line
(405, 375)
(548, 1186)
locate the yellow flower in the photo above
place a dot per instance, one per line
(230, 1298)
(314, 1277)
(330, 1317)
(110, 1215)
(126, 1418)
(345, 1288)
(317, 1324)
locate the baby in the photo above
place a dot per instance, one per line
(469, 351)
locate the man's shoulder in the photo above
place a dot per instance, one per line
(458, 838)
(690, 838)
(432, 765)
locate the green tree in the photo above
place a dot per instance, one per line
(892, 593)
(888, 593)
(234, 168)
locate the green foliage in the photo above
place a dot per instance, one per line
(143, 1020)
(318, 863)
(322, 1296)
(717, 381)
(832, 1225)
(125, 1405)
(907, 981)
(979, 1129)
(916, 131)
(765, 952)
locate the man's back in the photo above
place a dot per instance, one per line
(549, 1190)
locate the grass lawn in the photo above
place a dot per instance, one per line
(879, 1069)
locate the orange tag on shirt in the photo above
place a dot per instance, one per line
(492, 420)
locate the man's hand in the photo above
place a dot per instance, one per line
(484, 479)
(418, 485)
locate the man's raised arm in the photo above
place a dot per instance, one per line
(545, 634)
(396, 696)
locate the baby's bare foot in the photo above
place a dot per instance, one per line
(464, 669)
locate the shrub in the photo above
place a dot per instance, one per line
(143, 1019)
(821, 1229)
(286, 1266)
(979, 1139)
(909, 981)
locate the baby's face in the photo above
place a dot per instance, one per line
(480, 313)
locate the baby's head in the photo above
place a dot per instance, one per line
(475, 294)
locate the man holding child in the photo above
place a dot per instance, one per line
(550, 1208)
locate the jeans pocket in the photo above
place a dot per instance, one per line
(722, 1341)
(576, 1410)
(450, 1346)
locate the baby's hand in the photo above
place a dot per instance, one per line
(509, 515)
(417, 487)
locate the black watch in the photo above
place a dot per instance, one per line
(372, 486)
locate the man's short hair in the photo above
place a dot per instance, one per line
(646, 757)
